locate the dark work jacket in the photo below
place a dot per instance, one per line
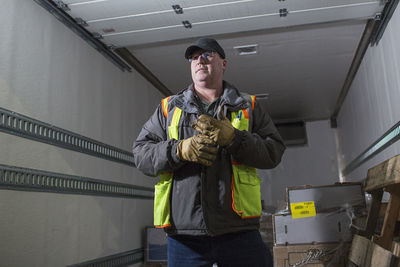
(201, 197)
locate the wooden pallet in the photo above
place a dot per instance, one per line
(369, 249)
(384, 177)
(365, 253)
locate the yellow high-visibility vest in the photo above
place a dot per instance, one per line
(245, 186)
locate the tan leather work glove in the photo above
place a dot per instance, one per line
(221, 130)
(199, 149)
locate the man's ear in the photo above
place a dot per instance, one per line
(224, 62)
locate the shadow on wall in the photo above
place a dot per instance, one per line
(312, 164)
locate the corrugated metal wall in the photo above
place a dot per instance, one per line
(372, 105)
(47, 72)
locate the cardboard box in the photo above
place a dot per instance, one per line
(329, 197)
(322, 228)
(287, 256)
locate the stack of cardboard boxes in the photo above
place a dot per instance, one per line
(315, 230)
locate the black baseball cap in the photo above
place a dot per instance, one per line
(207, 44)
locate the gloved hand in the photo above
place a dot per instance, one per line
(199, 149)
(221, 130)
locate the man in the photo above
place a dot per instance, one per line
(206, 143)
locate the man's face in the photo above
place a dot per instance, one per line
(207, 71)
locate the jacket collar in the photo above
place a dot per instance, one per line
(231, 99)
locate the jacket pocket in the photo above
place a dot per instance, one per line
(162, 204)
(246, 194)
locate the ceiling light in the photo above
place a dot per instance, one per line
(246, 49)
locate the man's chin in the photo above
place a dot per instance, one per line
(201, 78)
(201, 83)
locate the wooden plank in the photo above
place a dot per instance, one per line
(382, 211)
(391, 215)
(364, 253)
(381, 257)
(373, 213)
(369, 255)
(396, 253)
(396, 248)
(385, 174)
(358, 250)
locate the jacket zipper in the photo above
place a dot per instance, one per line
(203, 202)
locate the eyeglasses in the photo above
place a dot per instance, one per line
(204, 55)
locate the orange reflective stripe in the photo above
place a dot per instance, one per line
(253, 100)
(233, 196)
(164, 104)
(247, 217)
(233, 202)
(162, 226)
(246, 114)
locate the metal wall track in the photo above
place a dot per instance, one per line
(20, 125)
(388, 138)
(16, 178)
(355, 65)
(116, 260)
(67, 20)
(387, 14)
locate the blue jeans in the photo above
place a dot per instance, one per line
(230, 250)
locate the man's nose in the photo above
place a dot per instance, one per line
(201, 59)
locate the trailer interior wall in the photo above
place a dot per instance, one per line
(48, 73)
(372, 105)
(311, 164)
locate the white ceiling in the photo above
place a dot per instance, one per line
(302, 58)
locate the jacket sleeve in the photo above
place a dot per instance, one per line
(153, 153)
(263, 147)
